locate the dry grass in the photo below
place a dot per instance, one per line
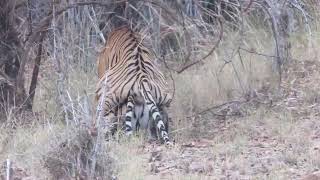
(129, 155)
(26, 147)
(216, 81)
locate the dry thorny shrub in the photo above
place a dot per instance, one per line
(72, 159)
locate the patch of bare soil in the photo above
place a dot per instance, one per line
(278, 140)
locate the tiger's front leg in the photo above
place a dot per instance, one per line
(109, 121)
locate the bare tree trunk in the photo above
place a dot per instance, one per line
(280, 21)
(35, 73)
(12, 91)
(284, 44)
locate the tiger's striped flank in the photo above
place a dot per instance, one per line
(137, 88)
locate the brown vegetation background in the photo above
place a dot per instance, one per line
(244, 74)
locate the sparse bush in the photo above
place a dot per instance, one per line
(72, 158)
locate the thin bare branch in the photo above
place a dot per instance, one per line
(247, 8)
(207, 55)
(97, 126)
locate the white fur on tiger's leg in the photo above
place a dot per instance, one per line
(159, 122)
(165, 119)
(155, 114)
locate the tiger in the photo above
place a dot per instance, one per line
(137, 89)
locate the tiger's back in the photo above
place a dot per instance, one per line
(124, 75)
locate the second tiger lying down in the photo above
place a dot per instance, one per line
(136, 87)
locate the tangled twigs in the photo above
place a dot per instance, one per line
(45, 22)
(207, 55)
(218, 107)
(246, 9)
(255, 52)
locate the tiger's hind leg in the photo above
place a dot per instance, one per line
(166, 120)
(129, 115)
(156, 116)
(165, 117)
(152, 128)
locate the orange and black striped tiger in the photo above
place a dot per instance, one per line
(136, 87)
